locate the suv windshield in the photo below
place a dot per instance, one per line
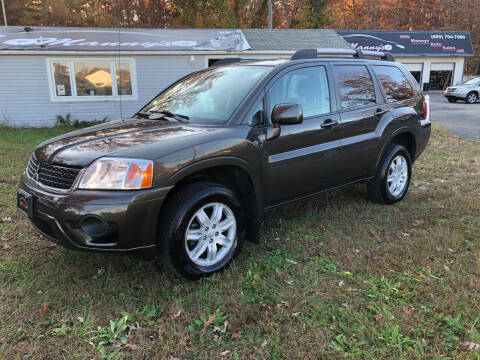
(208, 97)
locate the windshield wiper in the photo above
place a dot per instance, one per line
(143, 114)
(179, 117)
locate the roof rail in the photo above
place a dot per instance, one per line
(226, 61)
(361, 54)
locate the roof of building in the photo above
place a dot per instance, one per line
(17, 38)
(411, 43)
(68, 39)
(293, 39)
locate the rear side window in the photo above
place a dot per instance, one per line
(355, 86)
(305, 86)
(394, 82)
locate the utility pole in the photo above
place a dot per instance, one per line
(4, 13)
(270, 14)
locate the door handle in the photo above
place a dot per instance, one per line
(380, 112)
(328, 124)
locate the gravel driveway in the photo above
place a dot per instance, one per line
(460, 118)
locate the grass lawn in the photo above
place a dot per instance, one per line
(335, 276)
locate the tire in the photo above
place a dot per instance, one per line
(471, 97)
(452, 100)
(382, 190)
(179, 216)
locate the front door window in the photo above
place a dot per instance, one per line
(307, 87)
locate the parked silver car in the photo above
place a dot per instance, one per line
(468, 91)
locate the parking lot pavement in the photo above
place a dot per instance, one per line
(460, 118)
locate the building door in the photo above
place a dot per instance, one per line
(441, 75)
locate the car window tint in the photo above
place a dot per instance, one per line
(209, 96)
(257, 117)
(307, 87)
(354, 85)
(394, 82)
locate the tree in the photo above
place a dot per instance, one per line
(313, 15)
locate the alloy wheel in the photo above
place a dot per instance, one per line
(472, 98)
(397, 175)
(210, 234)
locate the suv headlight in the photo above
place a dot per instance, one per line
(118, 174)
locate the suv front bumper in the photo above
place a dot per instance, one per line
(127, 219)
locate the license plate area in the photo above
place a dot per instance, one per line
(25, 202)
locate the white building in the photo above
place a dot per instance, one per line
(435, 58)
(111, 73)
(93, 74)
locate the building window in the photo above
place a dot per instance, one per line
(92, 79)
(61, 75)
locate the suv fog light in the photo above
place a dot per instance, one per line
(94, 226)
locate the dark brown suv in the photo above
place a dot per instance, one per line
(190, 176)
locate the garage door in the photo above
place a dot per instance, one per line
(442, 66)
(414, 67)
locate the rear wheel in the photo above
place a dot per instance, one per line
(452, 100)
(393, 176)
(202, 230)
(471, 98)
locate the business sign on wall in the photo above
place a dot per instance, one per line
(411, 43)
(93, 39)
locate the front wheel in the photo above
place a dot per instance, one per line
(471, 98)
(202, 230)
(393, 176)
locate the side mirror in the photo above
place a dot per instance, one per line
(287, 114)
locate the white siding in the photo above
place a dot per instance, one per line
(25, 95)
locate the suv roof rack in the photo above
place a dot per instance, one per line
(226, 61)
(361, 54)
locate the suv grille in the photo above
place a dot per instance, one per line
(55, 176)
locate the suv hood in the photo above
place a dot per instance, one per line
(118, 138)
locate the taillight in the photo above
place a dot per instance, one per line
(425, 110)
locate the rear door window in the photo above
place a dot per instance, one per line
(305, 86)
(394, 83)
(355, 86)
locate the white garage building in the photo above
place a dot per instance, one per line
(435, 58)
(93, 74)
(111, 73)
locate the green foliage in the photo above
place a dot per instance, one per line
(315, 15)
(453, 330)
(325, 264)
(474, 334)
(149, 313)
(68, 122)
(382, 288)
(291, 296)
(114, 334)
(392, 337)
(208, 320)
(350, 348)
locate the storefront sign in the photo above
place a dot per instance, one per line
(411, 43)
(75, 39)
